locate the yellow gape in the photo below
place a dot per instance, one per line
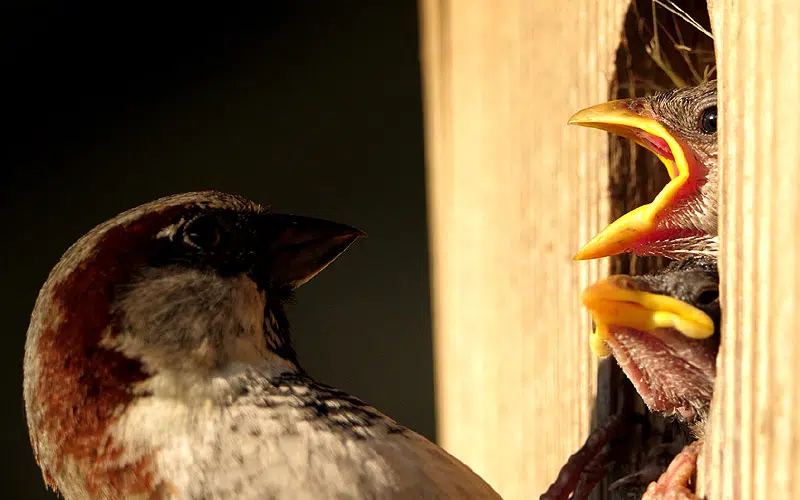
(618, 118)
(612, 304)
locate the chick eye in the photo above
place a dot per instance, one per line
(202, 233)
(708, 120)
(707, 297)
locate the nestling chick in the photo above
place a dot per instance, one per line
(680, 127)
(660, 329)
(159, 364)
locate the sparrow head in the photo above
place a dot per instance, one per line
(680, 127)
(159, 300)
(660, 329)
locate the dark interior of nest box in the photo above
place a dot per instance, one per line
(658, 51)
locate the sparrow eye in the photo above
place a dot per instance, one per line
(708, 120)
(202, 233)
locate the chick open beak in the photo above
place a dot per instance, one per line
(631, 118)
(612, 303)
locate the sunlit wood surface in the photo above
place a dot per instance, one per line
(513, 194)
(754, 447)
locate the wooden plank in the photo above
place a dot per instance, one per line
(513, 193)
(754, 432)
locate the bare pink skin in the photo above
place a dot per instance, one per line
(673, 374)
(676, 482)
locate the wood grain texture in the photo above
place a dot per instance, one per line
(754, 432)
(513, 194)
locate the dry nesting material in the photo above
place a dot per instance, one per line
(667, 46)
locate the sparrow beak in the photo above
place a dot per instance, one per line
(304, 246)
(612, 302)
(631, 118)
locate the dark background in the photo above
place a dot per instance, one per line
(313, 107)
